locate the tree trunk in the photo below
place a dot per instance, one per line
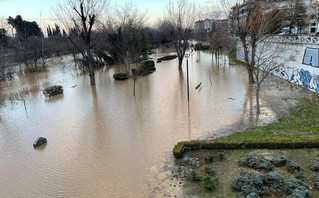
(180, 62)
(92, 78)
(257, 98)
(248, 66)
(134, 79)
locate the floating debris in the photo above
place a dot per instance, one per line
(39, 141)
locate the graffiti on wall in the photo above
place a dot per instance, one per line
(311, 57)
(297, 74)
(281, 73)
(306, 79)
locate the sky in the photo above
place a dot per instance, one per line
(32, 10)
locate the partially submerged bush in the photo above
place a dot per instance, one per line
(165, 58)
(314, 165)
(147, 67)
(256, 161)
(121, 76)
(53, 91)
(200, 46)
(280, 161)
(210, 183)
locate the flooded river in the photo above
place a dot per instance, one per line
(102, 141)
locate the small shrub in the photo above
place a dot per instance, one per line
(165, 58)
(248, 183)
(210, 171)
(280, 161)
(314, 165)
(293, 167)
(121, 76)
(252, 195)
(195, 176)
(220, 155)
(276, 183)
(296, 188)
(256, 161)
(200, 46)
(316, 180)
(210, 183)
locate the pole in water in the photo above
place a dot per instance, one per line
(187, 79)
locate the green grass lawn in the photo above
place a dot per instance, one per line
(301, 123)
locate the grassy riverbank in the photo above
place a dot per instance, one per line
(301, 123)
(299, 128)
(233, 58)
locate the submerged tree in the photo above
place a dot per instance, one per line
(83, 14)
(179, 21)
(28, 42)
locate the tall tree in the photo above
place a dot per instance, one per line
(181, 17)
(251, 24)
(296, 15)
(83, 14)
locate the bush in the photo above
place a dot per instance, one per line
(293, 167)
(200, 46)
(276, 183)
(314, 165)
(195, 176)
(210, 183)
(280, 161)
(210, 171)
(316, 180)
(53, 91)
(257, 162)
(121, 76)
(297, 189)
(249, 144)
(221, 155)
(248, 183)
(146, 68)
(165, 58)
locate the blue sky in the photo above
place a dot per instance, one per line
(30, 9)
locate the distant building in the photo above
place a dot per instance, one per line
(209, 25)
(268, 5)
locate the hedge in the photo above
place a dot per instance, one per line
(164, 58)
(181, 147)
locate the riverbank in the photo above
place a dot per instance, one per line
(298, 124)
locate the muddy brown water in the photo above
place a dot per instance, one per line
(102, 141)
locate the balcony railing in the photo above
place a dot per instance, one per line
(310, 40)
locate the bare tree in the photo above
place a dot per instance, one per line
(296, 15)
(269, 58)
(181, 16)
(82, 14)
(252, 24)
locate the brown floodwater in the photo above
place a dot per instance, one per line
(103, 141)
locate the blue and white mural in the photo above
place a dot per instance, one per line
(303, 69)
(306, 79)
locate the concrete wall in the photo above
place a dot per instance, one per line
(301, 64)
